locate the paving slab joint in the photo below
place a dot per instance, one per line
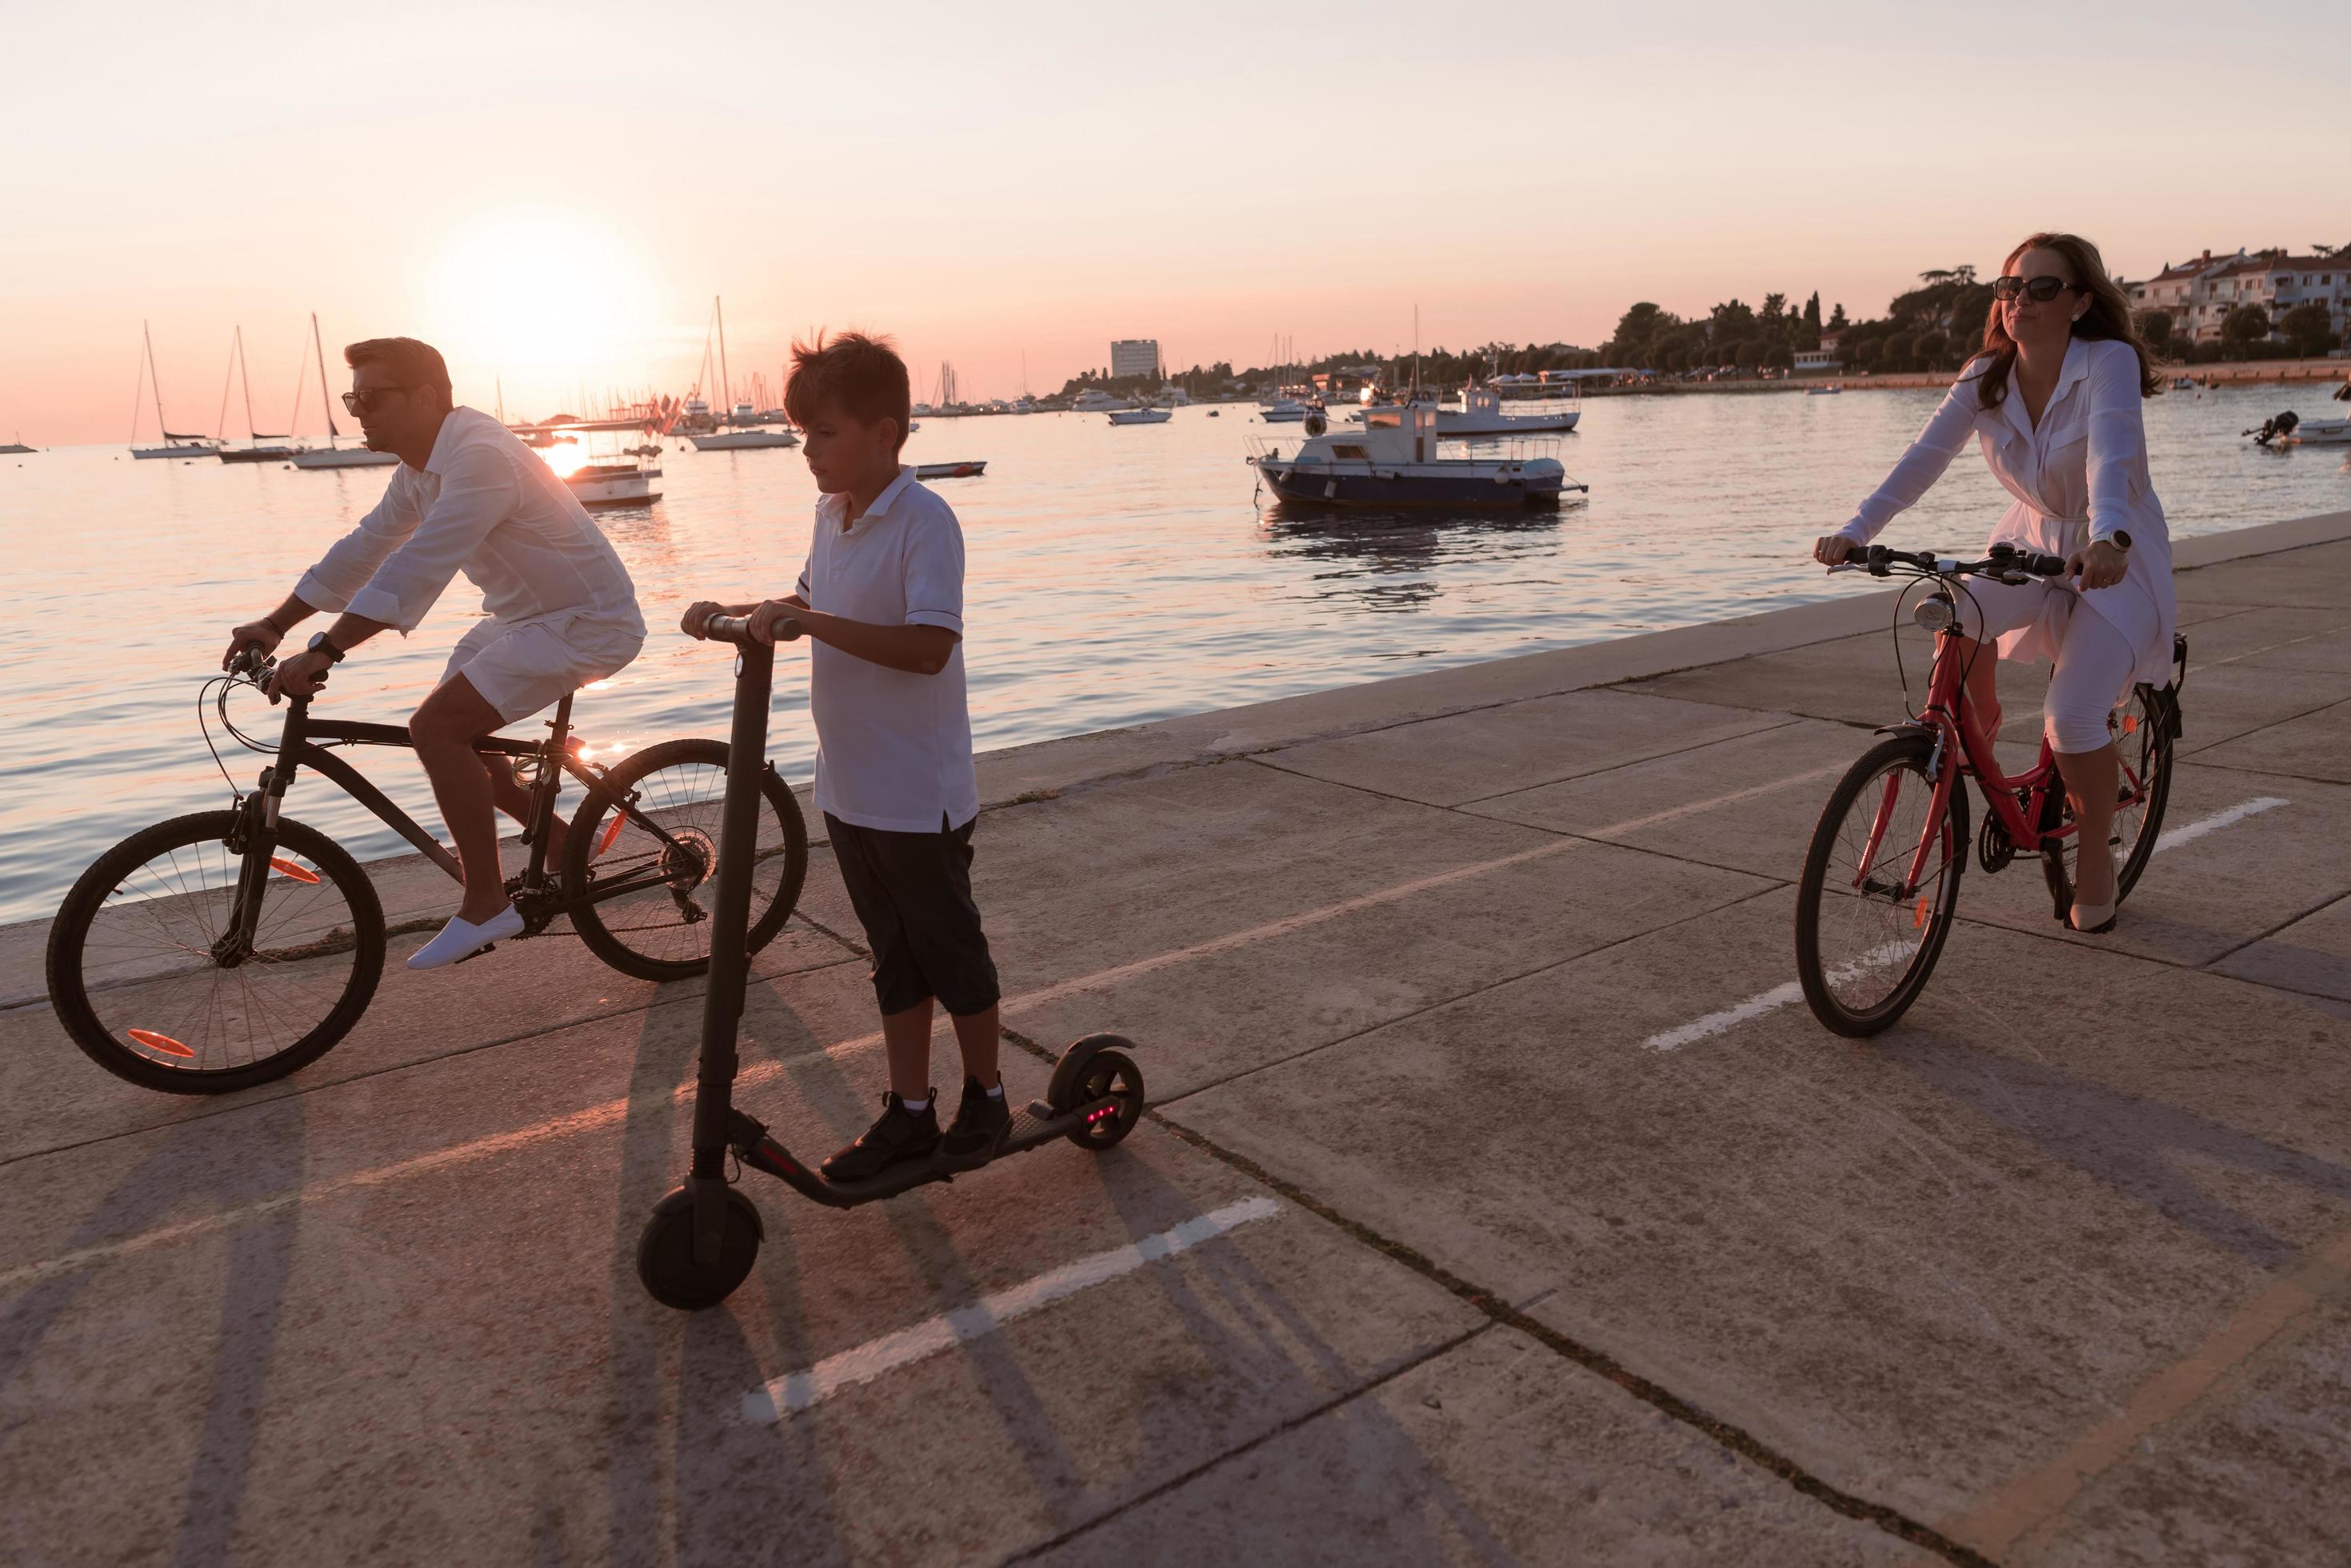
(1498, 1311)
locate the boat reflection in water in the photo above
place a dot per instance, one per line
(1391, 560)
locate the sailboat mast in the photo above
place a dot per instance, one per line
(220, 424)
(244, 375)
(325, 401)
(154, 378)
(139, 387)
(726, 382)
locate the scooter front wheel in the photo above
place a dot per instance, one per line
(665, 1263)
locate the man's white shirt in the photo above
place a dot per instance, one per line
(485, 504)
(893, 747)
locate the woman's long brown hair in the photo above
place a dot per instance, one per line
(2108, 316)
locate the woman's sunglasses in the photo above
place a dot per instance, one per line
(2040, 290)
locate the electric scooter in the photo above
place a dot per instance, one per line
(703, 1237)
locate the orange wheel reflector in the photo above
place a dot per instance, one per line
(280, 864)
(612, 830)
(1918, 920)
(163, 1042)
(2130, 724)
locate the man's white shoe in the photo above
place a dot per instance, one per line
(461, 939)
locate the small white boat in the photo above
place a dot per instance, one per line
(1140, 416)
(1092, 399)
(614, 484)
(195, 446)
(2290, 429)
(1481, 414)
(1392, 461)
(950, 470)
(1823, 391)
(260, 448)
(1283, 411)
(743, 440)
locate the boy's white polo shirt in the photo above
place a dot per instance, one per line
(893, 747)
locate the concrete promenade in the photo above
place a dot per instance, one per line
(1521, 1213)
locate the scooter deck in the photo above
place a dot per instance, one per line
(1033, 1125)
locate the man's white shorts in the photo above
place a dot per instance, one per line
(521, 667)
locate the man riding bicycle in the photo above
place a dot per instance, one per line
(561, 609)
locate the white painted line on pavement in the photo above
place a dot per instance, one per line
(2175, 837)
(752, 1076)
(1779, 997)
(797, 1391)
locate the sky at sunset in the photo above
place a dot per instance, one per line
(552, 195)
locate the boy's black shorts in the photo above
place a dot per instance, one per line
(913, 895)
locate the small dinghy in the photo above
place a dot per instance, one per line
(950, 470)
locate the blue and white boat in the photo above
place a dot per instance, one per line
(1392, 461)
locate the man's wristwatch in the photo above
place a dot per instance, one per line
(319, 644)
(2120, 540)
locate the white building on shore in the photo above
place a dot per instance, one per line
(2199, 294)
(1133, 357)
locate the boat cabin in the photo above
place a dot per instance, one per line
(1398, 432)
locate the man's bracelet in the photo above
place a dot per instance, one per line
(272, 624)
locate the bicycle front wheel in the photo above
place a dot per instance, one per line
(150, 978)
(646, 873)
(1868, 931)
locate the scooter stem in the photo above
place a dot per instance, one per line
(722, 1007)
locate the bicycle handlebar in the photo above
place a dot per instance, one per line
(737, 628)
(2005, 561)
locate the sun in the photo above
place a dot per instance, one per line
(540, 297)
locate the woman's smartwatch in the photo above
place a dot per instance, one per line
(319, 644)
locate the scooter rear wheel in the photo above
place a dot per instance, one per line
(1090, 1069)
(665, 1262)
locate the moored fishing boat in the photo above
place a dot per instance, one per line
(1283, 411)
(1392, 461)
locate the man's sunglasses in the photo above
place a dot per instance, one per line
(2040, 290)
(359, 403)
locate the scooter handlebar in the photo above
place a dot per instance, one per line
(737, 628)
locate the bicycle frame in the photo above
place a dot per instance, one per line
(304, 744)
(2027, 805)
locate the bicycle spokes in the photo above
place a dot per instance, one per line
(181, 967)
(1890, 861)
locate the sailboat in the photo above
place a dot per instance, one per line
(253, 452)
(332, 455)
(174, 444)
(742, 415)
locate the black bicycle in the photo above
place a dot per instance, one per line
(222, 949)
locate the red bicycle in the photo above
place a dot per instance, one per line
(1881, 881)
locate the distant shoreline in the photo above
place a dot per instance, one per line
(2251, 374)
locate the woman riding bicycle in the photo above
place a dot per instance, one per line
(2054, 400)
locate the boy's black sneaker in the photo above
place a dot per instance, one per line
(899, 1136)
(978, 1128)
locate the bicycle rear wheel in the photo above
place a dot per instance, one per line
(149, 981)
(1867, 936)
(659, 929)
